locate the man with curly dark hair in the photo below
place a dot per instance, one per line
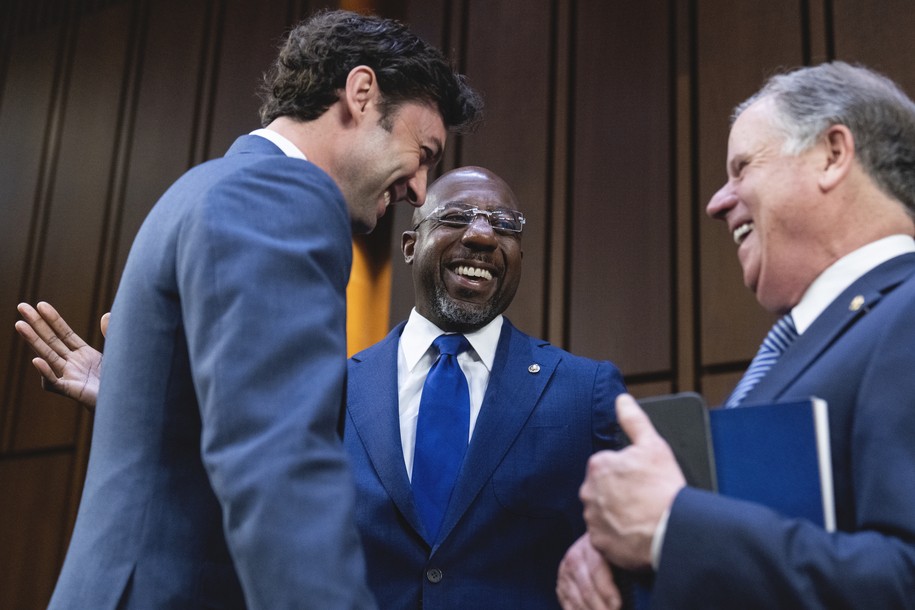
(216, 477)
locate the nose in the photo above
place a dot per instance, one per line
(721, 202)
(416, 188)
(479, 234)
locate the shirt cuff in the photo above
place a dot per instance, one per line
(657, 541)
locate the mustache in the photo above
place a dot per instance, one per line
(475, 257)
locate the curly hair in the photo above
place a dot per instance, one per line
(318, 55)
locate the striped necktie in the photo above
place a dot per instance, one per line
(781, 336)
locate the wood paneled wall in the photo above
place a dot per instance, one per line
(609, 119)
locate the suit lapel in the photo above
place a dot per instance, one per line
(513, 392)
(373, 382)
(847, 309)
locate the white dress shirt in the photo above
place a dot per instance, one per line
(290, 149)
(818, 296)
(415, 357)
(843, 273)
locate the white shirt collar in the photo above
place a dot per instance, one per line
(290, 149)
(843, 273)
(419, 333)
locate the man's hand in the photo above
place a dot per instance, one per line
(585, 581)
(68, 365)
(626, 492)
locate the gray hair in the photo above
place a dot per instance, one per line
(879, 115)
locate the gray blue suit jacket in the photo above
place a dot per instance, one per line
(515, 508)
(723, 553)
(216, 478)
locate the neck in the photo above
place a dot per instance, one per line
(316, 138)
(866, 215)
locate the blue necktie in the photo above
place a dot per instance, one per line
(781, 336)
(442, 430)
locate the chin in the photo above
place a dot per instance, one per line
(461, 313)
(362, 226)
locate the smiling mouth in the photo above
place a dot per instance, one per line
(741, 232)
(387, 198)
(475, 273)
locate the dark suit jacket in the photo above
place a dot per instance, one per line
(722, 553)
(216, 477)
(515, 509)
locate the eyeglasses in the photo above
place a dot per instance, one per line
(504, 221)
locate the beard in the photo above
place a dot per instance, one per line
(462, 315)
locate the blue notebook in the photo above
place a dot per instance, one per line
(773, 454)
(777, 455)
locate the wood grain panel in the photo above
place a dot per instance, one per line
(260, 24)
(620, 295)
(649, 388)
(717, 387)
(161, 142)
(32, 527)
(879, 34)
(513, 72)
(739, 44)
(26, 104)
(79, 199)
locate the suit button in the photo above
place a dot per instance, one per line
(434, 575)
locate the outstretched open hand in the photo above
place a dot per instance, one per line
(68, 365)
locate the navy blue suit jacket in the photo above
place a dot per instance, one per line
(515, 508)
(216, 478)
(723, 553)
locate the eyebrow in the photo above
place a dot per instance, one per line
(734, 163)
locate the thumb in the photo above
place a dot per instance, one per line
(103, 323)
(633, 420)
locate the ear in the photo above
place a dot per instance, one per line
(408, 244)
(840, 156)
(360, 92)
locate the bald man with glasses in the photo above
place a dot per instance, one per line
(535, 415)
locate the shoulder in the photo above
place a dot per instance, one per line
(384, 348)
(290, 195)
(565, 358)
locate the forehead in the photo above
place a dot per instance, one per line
(424, 121)
(471, 189)
(754, 129)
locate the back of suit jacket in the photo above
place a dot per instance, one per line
(515, 508)
(215, 476)
(858, 355)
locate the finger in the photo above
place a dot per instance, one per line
(633, 420)
(40, 327)
(605, 588)
(103, 323)
(567, 589)
(38, 345)
(49, 356)
(45, 370)
(59, 326)
(49, 381)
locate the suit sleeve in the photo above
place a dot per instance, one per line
(724, 553)
(262, 269)
(608, 384)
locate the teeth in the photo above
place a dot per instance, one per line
(741, 232)
(474, 272)
(387, 198)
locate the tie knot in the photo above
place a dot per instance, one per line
(451, 344)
